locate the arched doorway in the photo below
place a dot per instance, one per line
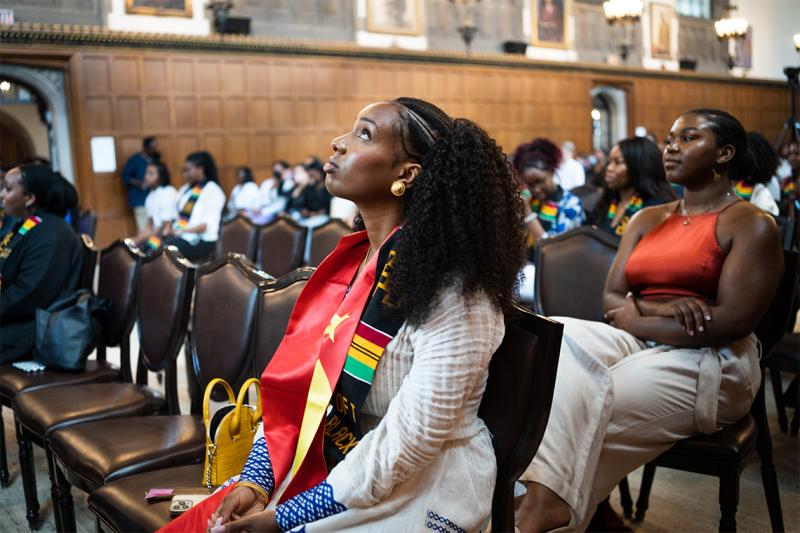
(48, 86)
(23, 127)
(609, 116)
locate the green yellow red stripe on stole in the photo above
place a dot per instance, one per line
(30, 223)
(549, 212)
(153, 242)
(743, 190)
(364, 355)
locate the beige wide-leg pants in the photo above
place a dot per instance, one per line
(620, 402)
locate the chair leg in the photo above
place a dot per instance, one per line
(777, 392)
(5, 479)
(643, 501)
(65, 513)
(28, 474)
(728, 500)
(795, 416)
(55, 492)
(768, 476)
(625, 498)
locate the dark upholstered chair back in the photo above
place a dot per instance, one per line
(281, 245)
(771, 327)
(118, 281)
(238, 235)
(571, 271)
(277, 302)
(166, 281)
(516, 404)
(89, 262)
(226, 301)
(324, 239)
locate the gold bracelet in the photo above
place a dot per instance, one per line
(255, 488)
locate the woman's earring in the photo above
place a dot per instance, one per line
(717, 175)
(398, 188)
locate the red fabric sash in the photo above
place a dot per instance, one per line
(313, 340)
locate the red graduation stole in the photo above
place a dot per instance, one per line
(298, 383)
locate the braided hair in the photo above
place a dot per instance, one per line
(728, 130)
(462, 215)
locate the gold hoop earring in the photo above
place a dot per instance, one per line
(398, 188)
(717, 175)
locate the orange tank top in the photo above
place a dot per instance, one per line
(676, 259)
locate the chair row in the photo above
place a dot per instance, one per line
(576, 263)
(103, 437)
(281, 245)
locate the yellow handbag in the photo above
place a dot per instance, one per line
(229, 433)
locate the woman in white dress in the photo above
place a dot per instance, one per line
(394, 332)
(245, 196)
(161, 204)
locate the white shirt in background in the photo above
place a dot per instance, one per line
(244, 197)
(162, 205)
(570, 174)
(207, 210)
(762, 198)
(774, 186)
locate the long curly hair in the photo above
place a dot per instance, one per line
(462, 216)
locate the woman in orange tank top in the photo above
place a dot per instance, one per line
(678, 357)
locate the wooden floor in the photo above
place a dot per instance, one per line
(679, 501)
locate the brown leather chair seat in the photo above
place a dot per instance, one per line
(120, 505)
(13, 381)
(98, 452)
(42, 411)
(730, 445)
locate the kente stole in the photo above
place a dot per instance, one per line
(333, 343)
(188, 207)
(743, 190)
(13, 237)
(635, 204)
(547, 211)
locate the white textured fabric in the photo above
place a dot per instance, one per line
(428, 458)
(619, 403)
(570, 174)
(762, 198)
(207, 210)
(162, 205)
(244, 197)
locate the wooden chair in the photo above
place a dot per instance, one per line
(238, 235)
(118, 505)
(516, 404)
(90, 255)
(324, 239)
(281, 246)
(38, 412)
(571, 271)
(725, 453)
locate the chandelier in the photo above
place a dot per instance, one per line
(730, 28)
(623, 11)
(796, 38)
(466, 12)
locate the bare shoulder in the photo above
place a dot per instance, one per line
(650, 217)
(746, 221)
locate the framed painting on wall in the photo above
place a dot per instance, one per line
(549, 24)
(661, 28)
(169, 8)
(401, 17)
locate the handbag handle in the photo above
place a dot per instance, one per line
(207, 397)
(236, 420)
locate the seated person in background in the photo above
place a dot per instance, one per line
(635, 179)
(549, 210)
(430, 189)
(245, 195)
(161, 205)
(309, 198)
(569, 172)
(591, 192)
(753, 187)
(790, 188)
(40, 257)
(200, 203)
(690, 282)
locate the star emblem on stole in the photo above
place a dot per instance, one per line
(336, 321)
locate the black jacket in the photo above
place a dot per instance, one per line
(43, 266)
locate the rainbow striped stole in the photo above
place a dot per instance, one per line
(547, 211)
(365, 352)
(9, 241)
(743, 190)
(635, 204)
(186, 210)
(153, 242)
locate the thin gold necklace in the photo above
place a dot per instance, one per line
(685, 213)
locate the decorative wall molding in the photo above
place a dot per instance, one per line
(65, 35)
